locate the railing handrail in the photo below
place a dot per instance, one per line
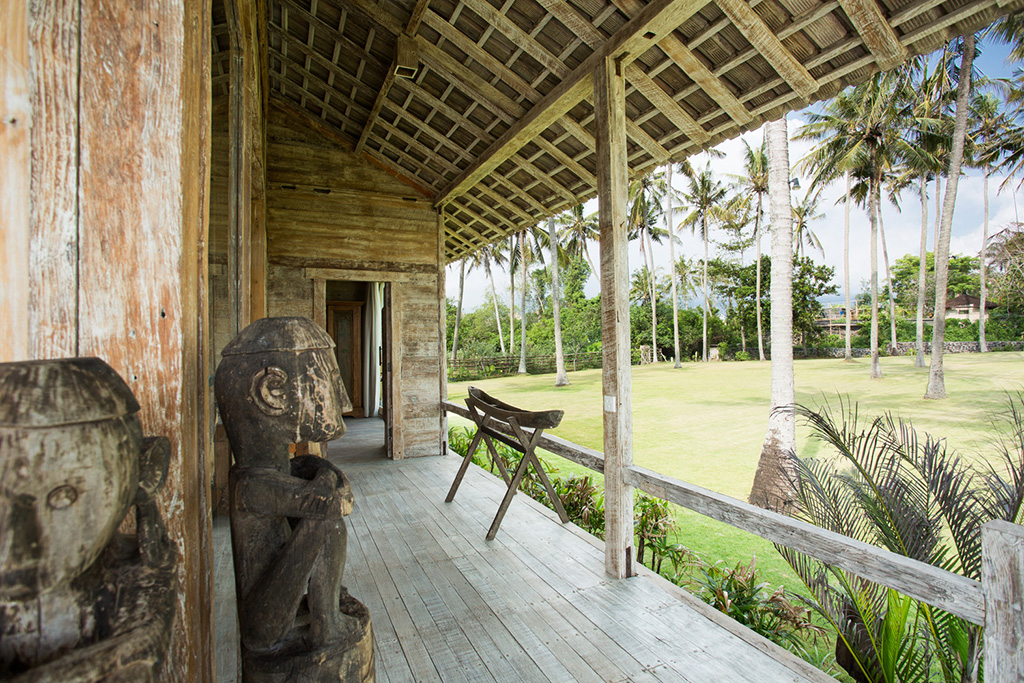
(946, 590)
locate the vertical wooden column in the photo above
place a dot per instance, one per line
(143, 213)
(320, 302)
(247, 237)
(15, 171)
(442, 322)
(1002, 577)
(103, 234)
(53, 304)
(616, 374)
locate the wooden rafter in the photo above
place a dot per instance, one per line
(410, 30)
(879, 37)
(693, 67)
(771, 48)
(647, 28)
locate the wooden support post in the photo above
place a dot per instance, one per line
(1002, 577)
(320, 302)
(610, 108)
(15, 172)
(247, 236)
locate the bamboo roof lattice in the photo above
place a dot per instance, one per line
(486, 105)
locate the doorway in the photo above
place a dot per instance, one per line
(358, 318)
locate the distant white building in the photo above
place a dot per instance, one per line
(966, 307)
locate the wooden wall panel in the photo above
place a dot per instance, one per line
(142, 220)
(289, 292)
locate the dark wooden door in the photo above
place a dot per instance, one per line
(345, 325)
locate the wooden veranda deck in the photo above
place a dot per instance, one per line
(532, 605)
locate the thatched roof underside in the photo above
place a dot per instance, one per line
(497, 122)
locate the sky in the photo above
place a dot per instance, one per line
(902, 228)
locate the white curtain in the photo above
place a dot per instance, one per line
(372, 333)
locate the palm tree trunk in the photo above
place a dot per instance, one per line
(522, 307)
(876, 366)
(773, 485)
(458, 310)
(672, 273)
(922, 274)
(561, 379)
(757, 294)
(494, 300)
(936, 381)
(888, 280)
(982, 345)
(511, 298)
(704, 281)
(654, 295)
(848, 355)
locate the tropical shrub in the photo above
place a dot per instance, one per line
(914, 496)
(738, 593)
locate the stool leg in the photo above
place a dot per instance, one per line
(507, 500)
(464, 466)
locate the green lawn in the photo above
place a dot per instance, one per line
(704, 423)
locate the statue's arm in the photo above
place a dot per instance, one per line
(265, 491)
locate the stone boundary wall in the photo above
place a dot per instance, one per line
(910, 348)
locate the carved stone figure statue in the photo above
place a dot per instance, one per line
(278, 383)
(79, 600)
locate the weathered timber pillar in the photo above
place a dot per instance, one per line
(616, 374)
(115, 170)
(247, 230)
(15, 173)
(1002, 577)
(442, 323)
(320, 302)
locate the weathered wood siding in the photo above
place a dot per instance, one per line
(110, 209)
(333, 212)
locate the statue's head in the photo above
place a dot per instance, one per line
(70, 442)
(279, 380)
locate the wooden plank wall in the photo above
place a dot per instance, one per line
(333, 212)
(118, 160)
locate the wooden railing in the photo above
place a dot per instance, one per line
(997, 602)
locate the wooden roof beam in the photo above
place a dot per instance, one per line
(691, 65)
(389, 80)
(647, 87)
(771, 48)
(464, 43)
(879, 37)
(650, 26)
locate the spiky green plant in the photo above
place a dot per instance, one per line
(916, 497)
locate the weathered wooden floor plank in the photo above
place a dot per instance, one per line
(534, 604)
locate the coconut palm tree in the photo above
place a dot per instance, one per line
(670, 229)
(687, 276)
(936, 383)
(863, 131)
(578, 231)
(645, 197)
(804, 213)
(754, 181)
(774, 481)
(932, 139)
(486, 256)
(988, 137)
(458, 308)
(561, 378)
(705, 196)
